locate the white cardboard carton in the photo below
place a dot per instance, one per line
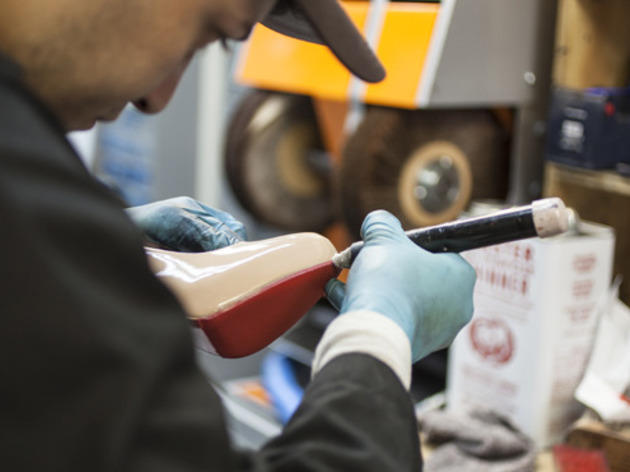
(525, 350)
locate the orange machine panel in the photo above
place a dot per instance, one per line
(403, 49)
(272, 61)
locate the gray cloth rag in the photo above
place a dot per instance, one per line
(482, 441)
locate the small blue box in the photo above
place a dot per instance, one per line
(589, 128)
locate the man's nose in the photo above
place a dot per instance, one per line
(157, 99)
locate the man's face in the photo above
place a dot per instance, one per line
(88, 59)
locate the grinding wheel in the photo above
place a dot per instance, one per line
(271, 160)
(424, 166)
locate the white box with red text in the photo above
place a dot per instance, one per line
(525, 350)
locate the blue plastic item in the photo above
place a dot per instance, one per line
(279, 379)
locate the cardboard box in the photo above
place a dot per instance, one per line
(525, 350)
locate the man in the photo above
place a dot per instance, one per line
(97, 367)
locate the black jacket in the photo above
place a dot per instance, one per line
(97, 368)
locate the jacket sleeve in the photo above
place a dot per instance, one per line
(355, 415)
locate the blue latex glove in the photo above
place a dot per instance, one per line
(428, 295)
(186, 225)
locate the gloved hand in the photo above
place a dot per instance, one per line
(186, 225)
(428, 295)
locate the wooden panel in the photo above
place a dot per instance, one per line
(592, 44)
(603, 197)
(591, 434)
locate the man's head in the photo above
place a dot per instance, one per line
(88, 59)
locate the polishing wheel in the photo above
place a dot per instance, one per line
(275, 162)
(435, 184)
(422, 165)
